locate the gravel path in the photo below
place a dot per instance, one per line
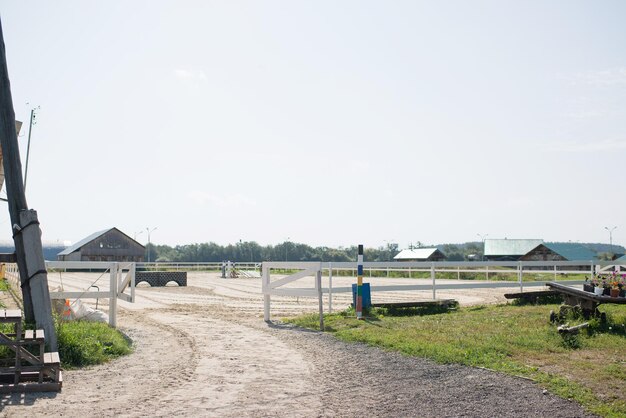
(358, 380)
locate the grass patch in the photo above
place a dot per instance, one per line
(80, 343)
(517, 340)
(83, 343)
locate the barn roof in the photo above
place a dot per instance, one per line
(79, 244)
(415, 254)
(69, 250)
(571, 250)
(502, 247)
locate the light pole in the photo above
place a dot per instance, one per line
(137, 233)
(610, 236)
(286, 242)
(483, 237)
(33, 121)
(388, 245)
(148, 248)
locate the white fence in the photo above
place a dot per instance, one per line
(518, 269)
(121, 281)
(191, 266)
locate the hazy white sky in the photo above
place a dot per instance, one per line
(325, 122)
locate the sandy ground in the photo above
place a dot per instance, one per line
(204, 350)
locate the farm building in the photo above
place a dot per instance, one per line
(564, 251)
(420, 254)
(535, 250)
(108, 245)
(509, 249)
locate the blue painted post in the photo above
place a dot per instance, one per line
(359, 284)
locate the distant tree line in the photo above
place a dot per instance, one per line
(251, 251)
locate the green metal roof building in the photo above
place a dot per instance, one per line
(509, 249)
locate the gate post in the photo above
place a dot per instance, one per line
(318, 284)
(113, 296)
(266, 289)
(330, 287)
(432, 276)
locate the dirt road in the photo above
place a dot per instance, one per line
(204, 350)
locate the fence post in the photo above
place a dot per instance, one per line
(133, 268)
(555, 272)
(266, 288)
(592, 270)
(113, 296)
(432, 276)
(458, 273)
(318, 284)
(330, 287)
(486, 272)
(519, 276)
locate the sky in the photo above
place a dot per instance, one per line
(329, 123)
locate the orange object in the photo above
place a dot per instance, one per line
(67, 310)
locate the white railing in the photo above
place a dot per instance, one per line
(121, 280)
(517, 268)
(191, 266)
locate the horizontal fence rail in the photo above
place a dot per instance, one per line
(121, 279)
(298, 270)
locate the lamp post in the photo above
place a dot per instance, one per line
(483, 237)
(148, 248)
(33, 121)
(137, 233)
(388, 249)
(286, 242)
(610, 236)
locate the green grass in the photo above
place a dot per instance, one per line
(518, 340)
(80, 343)
(83, 343)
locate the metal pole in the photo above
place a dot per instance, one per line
(610, 237)
(30, 130)
(432, 276)
(319, 296)
(330, 287)
(149, 231)
(483, 238)
(266, 295)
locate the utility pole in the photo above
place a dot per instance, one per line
(148, 247)
(483, 237)
(33, 122)
(25, 225)
(610, 236)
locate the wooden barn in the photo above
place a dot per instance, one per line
(108, 245)
(420, 254)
